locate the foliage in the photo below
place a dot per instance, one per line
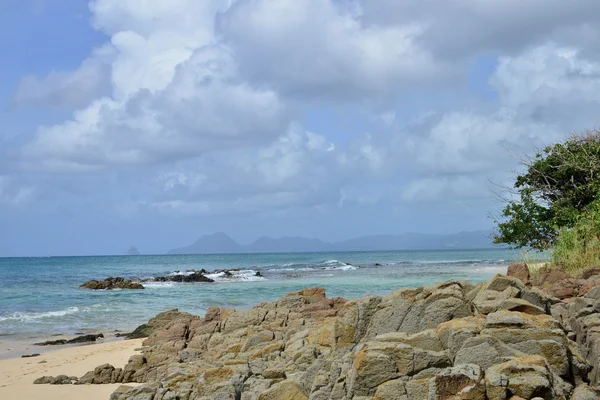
(560, 183)
(578, 248)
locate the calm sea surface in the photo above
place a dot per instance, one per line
(41, 296)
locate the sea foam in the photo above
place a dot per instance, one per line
(29, 316)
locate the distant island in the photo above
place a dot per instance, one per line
(219, 243)
(133, 251)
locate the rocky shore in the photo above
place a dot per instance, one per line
(509, 338)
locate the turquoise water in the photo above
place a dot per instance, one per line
(41, 296)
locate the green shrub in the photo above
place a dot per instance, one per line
(578, 248)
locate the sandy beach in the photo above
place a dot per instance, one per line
(17, 374)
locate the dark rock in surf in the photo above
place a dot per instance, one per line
(191, 278)
(78, 339)
(195, 277)
(86, 338)
(111, 283)
(52, 343)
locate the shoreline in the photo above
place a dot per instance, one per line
(309, 326)
(32, 310)
(15, 348)
(17, 374)
(12, 347)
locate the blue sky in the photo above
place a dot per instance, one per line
(150, 123)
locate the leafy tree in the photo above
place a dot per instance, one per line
(561, 182)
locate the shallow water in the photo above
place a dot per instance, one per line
(41, 296)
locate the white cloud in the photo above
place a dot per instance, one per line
(176, 94)
(70, 89)
(204, 107)
(13, 194)
(299, 169)
(319, 49)
(206, 104)
(545, 74)
(448, 188)
(458, 29)
(544, 94)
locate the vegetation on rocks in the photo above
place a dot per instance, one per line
(578, 248)
(558, 205)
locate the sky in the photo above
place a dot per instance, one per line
(151, 123)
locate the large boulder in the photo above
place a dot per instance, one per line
(584, 392)
(103, 374)
(284, 391)
(464, 381)
(519, 271)
(157, 323)
(498, 290)
(526, 377)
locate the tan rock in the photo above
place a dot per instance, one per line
(259, 338)
(324, 334)
(418, 389)
(426, 340)
(411, 344)
(584, 392)
(519, 271)
(391, 390)
(217, 375)
(521, 305)
(284, 391)
(460, 382)
(371, 368)
(526, 377)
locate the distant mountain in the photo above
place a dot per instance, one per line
(219, 243)
(287, 244)
(216, 243)
(133, 251)
(418, 241)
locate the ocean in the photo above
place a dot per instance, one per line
(40, 297)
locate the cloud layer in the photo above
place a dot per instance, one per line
(210, 106)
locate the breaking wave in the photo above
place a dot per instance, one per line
(249, 275)
(30, 316)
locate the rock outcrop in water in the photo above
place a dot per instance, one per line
(111, 283)
(498, 340)
(194, 277)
